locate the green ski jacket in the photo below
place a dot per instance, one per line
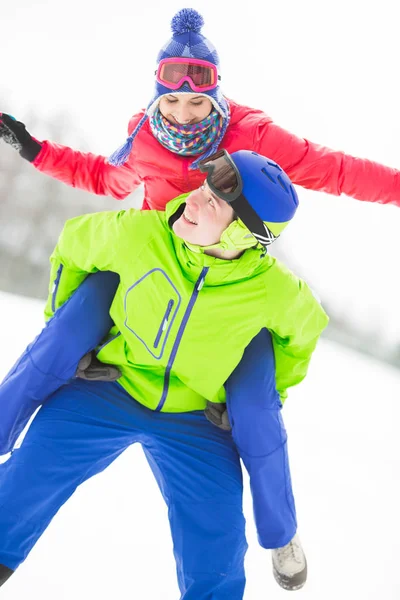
(183, 319)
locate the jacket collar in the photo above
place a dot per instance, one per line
(250, 263)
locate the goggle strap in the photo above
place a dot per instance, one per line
(252, 221)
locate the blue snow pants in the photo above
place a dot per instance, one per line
(253, 402)
(82, 429)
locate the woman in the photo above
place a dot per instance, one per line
(187, 119)
(205, 256)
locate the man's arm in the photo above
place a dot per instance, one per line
(87, 244)
(299, 322)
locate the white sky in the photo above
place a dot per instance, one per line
(111, 540)
(326, 71)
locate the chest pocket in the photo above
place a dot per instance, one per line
(151, 306)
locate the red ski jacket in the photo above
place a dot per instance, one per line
(166, 175)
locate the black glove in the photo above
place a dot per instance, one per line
(91, 369)
(217, 414)
(14, 133)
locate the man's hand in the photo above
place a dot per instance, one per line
(217, 414)
(13, 132)
(91, 369)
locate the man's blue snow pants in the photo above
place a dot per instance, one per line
(253, 402)
(83, 428)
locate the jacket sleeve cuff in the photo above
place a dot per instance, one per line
(42, 153)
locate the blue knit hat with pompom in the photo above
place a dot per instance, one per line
(186, 42)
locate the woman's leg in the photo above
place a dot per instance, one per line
(257, 427)
(52, 358)
(80, 430)
(198, 470)
(5, 573)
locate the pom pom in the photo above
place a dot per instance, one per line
(187, 20)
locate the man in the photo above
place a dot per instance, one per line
(196, 285)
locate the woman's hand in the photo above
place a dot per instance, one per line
(217, 414)
(13, 132)
(91, 369)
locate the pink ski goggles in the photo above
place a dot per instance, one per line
(201, 75)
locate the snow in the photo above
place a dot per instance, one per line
(111, 540)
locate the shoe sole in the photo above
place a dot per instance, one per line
(291, 584)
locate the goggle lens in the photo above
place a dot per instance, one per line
(201, 75)
(222, 175)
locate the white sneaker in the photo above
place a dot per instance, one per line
(290, 565)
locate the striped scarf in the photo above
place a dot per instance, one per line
(187, 140)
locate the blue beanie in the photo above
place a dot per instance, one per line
(187, 42)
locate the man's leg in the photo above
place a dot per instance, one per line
(254, 411)
(52, 358)
(198, 470)
(76, 434)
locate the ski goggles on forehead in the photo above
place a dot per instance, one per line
(224, 180)
(201, 75)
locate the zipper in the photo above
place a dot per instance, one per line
(55, 287)
(164, 323)
(198, 285)
(186, 182)
(108, 342)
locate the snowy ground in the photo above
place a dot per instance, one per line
(112, 539)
